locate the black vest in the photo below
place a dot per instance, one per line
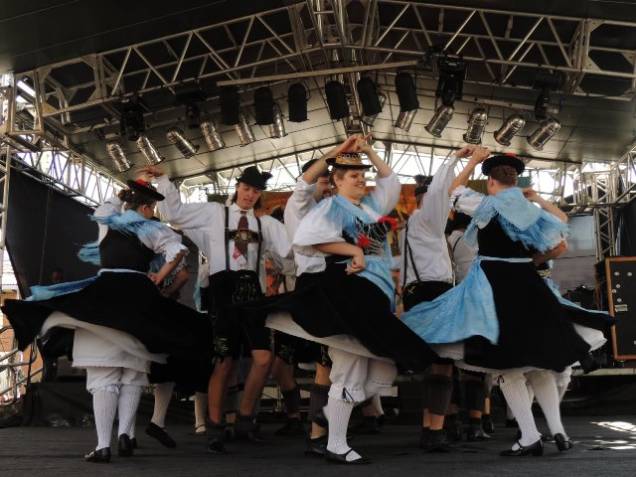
(119, 250)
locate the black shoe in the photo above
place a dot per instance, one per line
(342, 458)
(247, 429)
(99, 456)
(316, 447)
(453, 430)
(216, 438)
(293, 427)
(476, 434)
(562, 442)
(535, 449)
(124, 446)
(134, 444)
(156, 432)
(487, 424)
(368, 426)
(437, 443)
(425, 438)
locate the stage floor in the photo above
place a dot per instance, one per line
(604, 447)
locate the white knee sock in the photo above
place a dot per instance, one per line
(545, 389)
(513, 387)
(338, 413)
(129, 396)
(163, 395)
(530, 390)
(104, 409)
(200, 409)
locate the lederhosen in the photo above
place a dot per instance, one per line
(229, 288)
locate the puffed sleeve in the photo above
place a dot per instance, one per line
(161, 239)
(185, 216)
(435, 209)
(386, 193)
(316, 228)
(465, 200)
(110, 207)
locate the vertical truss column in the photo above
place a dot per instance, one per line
(603, 194)
(5, 176)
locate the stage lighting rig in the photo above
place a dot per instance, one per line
(131, 121)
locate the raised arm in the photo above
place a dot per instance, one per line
(548, 206)
(320, 166)
(183, 216)
(477, 156)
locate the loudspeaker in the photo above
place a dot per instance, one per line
(337, 100)
(230, 102)
(621, 296)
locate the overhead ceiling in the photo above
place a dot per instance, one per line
(86, 56)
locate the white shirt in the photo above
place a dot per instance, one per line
(465, 200)
(463, 254)
(426, 233)
(161, 240)
(204, 224)
(316, 228)
(298, 206)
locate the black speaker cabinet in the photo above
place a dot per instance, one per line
(621, 297)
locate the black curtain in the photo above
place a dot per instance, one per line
(45, 230)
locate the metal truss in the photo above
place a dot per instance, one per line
(308, 35)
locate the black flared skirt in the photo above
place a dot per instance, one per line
(127, 302)
(334, 303)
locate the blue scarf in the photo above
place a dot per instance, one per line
(128, 222)
(378, 268)
(520, 219)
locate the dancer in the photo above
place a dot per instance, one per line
(427, 273)
(121, 321)
(503, 318)
(349, 307)
(234, 240)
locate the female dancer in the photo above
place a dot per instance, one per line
(349, 308)
(503, 318)
(121, 321)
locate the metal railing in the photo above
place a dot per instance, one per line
(13, 368)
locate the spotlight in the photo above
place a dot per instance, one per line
(369, 120)
(263, 106)
(131, 121)
(211, 135)
(450, 84)
(277, 128)
(118, 157)
(440, 119)
(336, 100)
(176, 137)
(193, 115)
(407, 94)
(244, 131)
(544, 108)
(229, 99)
(149, 151)
(546, 130)
(405, 119)
(511, 126)
(297, 103)
(369, 98)
(476, 125)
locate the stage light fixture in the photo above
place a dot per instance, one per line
(131, 121)
(546, 131)
(336, 100)
(193, 115)
(450, 84)
(176, 137)
(511, 126)
(211, 135)
(405, 119)
(148, 150)
(476, 125)
(369, 97)
(406, 91)
(263, 106)
(440, 120)
(277, 128)
(297, 103)
(230, 102)
(244, 131)
(369, 120)
(117, 155)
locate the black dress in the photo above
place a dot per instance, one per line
(535, 330)
(125, 301)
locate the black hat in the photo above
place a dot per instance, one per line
(502, 160)
(421, 184)
(347, 160)
(145, 188)
(310, 163)
(252, 176)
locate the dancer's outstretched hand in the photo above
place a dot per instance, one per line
(465, 151)
(346, 146)
(153, 171)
